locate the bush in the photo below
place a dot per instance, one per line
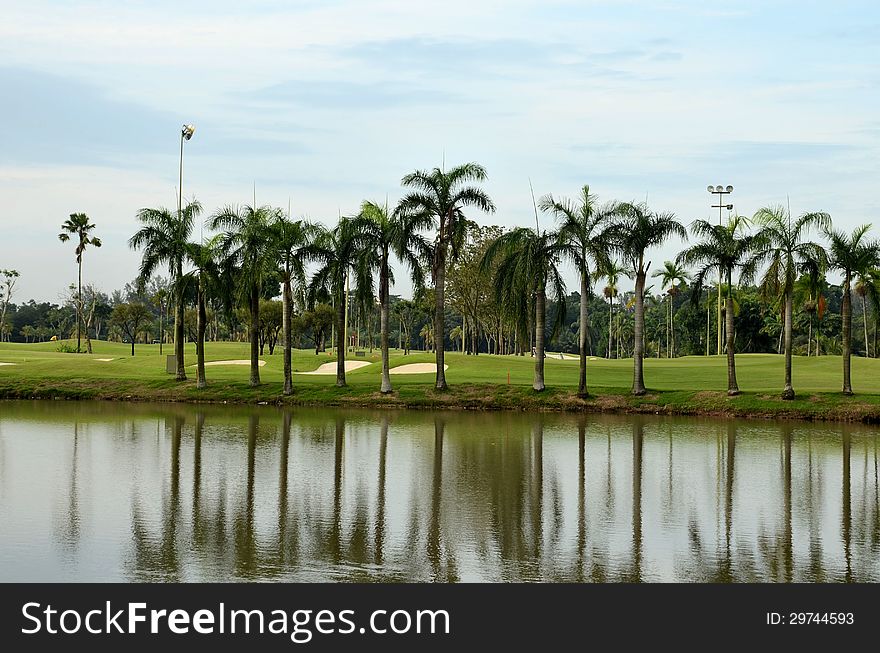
(66, 348)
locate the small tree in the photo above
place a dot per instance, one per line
(130, 319)
(10, 277)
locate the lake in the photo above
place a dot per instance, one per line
(97, 491)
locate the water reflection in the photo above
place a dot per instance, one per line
(117, 492)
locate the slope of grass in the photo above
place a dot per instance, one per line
(688, 385)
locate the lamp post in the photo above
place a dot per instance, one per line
(186, 133)
(720, 191)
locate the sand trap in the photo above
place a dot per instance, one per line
(240, 361)
(105, 360)
(8, 363)
(416, 368)
(330, 368)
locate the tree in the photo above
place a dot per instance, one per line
(635, 229)
(10, 277)
(670, 277)
(612, 271)
(249, 251)
(866, 287)
(164, 238)
(292, 241)
(442, 197)
(335, 250)
(784, 250)
(529, 262)
(809, 292)
(579, 225)
(380, 234)
(205, 259)
(129, 318)
(78, 225)
(727, 248)
(853, 255)
(407, 312)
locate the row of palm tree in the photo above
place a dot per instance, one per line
(254, 246)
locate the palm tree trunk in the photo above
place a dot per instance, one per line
(79, 305)
(286, 309)
(255, 336)
(638, 387)
(439, 316)
(810, 336)
(383, 326)
(540, 318)
(178, 324)
(582, 373)
(340, 342)
(865, 323)
(200, 335)
(788, 390)
(846, 316)
(610, 323)
(732, 387)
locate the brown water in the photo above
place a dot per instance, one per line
(115, 492)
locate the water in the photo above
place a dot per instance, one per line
(128, 492)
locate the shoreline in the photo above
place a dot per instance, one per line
(806, 407)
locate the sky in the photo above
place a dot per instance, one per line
(325, 104)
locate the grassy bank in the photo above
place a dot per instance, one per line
(685, 386)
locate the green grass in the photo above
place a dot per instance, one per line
(688, 385)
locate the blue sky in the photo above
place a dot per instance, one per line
(329, 103)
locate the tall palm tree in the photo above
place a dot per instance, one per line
(336, 251)
(79, 225)
(785, 250)
(292, 241)
(808, 293)
(612, 271)
(206, 274)
(853, 255)
(248, 248)
(670, 277)
(728, 248)
(579, 222)
(866, 287)
(380, 234)
(633, 231)
(443, 197)
(164, 236)
(528, 262)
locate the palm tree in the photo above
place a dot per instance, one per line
(164, 237)
(336, 250)
(808, 291)
(670, 277)
(612, 271)
(852, 255)
(205, 259)
(293, 245)
(784, 249)
(529, 262)
(727, 248)
(379, 235)
(249, 251)
(442, 197)
(633, 231)
(78, 225)
(579, 224)
(866, 287)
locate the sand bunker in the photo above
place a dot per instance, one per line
(416, 368)
(240, 361)
(105, 360)
(8, 363)
(330, 368)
